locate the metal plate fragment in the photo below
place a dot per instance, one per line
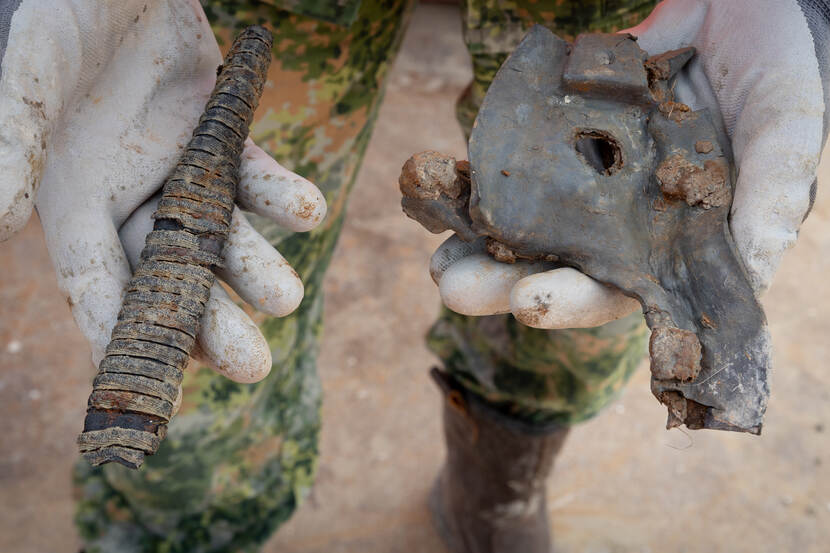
(581, 154)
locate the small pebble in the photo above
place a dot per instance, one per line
(35, 394)
(14, 346)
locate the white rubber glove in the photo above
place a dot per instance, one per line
(762, 58)
(97, 101)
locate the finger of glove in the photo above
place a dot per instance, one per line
(257, 272)
(567, 298)
(34, 83)
(229, 341)
(268, 189)
(452, 250)
(91, 269)
(479, 285)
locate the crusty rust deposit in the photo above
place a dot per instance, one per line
(582, 155)
(137, 385)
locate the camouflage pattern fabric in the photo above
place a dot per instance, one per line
(240, 458)
(540, 376)
(341, 12)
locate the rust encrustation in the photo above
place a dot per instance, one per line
(676, 111)
(675, 354)
(683, 411)
(704, 146)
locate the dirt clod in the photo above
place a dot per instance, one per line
(683, 411)
(462, 167)
(500, 252)
(680, 179)
(426, 175)
(704, 146)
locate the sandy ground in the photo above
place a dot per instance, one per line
(622, 484)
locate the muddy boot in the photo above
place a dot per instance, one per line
(490, 496)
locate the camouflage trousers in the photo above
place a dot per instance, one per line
(239, 458)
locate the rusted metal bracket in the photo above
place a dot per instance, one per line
(138, 381)
(580, 154)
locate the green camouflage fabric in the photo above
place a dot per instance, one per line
(240, 458)
(540, 376)
(341, 12)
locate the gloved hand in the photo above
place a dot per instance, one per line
(758, 67)
(97, 101)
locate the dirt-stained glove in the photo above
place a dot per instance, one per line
(97, 101)
(760, 64)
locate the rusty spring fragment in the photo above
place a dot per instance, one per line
(137, 384)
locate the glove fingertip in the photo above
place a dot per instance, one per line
(567, 298)
(232, 342)
(269, 189)
(452, 250)
(309, 208)
(479, 285)
(286, 298)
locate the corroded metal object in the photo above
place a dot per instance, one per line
(137, 384)
(580, 154)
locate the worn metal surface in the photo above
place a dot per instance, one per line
(581, 154)
(138, 381)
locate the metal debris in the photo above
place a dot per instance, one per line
(138, 381)
(611, 175)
